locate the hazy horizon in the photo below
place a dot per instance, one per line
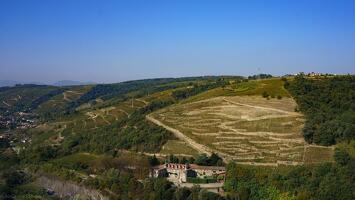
(114, 41)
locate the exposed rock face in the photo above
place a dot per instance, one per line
(65, 189)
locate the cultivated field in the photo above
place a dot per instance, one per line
(178, 148)
(247, 129)
(85, 120)
(59, 102)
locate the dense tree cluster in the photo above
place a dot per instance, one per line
(212, 160)
(45, 97)
(259, 76)
(328, 181)
(202, 159)
(4, 143)
(16, 186)
(328, 104)
(195, 89)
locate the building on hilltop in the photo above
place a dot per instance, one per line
(180, 172)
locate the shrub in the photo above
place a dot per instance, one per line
(341, 157)
(265, 94)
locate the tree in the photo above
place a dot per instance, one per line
(15, 177)
(205, 195)
(202, 159)
(328, 106)
(184, 160)
(153, 160)
(173, 159)
(215, 160)
(182, 193)
(191, 160)
(341, 157)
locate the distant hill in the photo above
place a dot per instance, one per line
(71, 83)
(4, 83)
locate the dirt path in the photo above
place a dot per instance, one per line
(65, 97)
(215, 120)
(199, 147)
(103, 118)
(260, 107)
(207, 150)
(125, 112)
(6, 103)
(141, 100)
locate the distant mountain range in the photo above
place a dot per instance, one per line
(69, 83)
(4, 83)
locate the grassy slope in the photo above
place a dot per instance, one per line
(273, 87)
(178, 147)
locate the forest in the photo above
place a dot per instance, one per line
(329, 107)
(195, 89)
(326, 181)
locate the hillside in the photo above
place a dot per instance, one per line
(239, 124)
(106, 136)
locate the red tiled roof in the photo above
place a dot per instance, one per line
(187, 166)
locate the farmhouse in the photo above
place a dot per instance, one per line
(180, 172)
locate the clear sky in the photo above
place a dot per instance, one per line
(111, 41)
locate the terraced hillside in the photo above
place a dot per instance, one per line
(59, 103)
(91, 111)
(247, 129)
(89, 134)
(84, 121)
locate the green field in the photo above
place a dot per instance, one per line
(274, 87)
(178, 147)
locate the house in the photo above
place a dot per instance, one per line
(180, 172)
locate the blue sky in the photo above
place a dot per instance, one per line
(111, 41)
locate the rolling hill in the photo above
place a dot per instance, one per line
(240, 125)
(93, 134)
